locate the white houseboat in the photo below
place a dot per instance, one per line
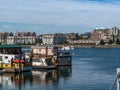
(13, 60)
(50, 56)
(43, 57)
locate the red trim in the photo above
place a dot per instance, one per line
(17, 61)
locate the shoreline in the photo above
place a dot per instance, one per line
(96, 46)
(84, 46)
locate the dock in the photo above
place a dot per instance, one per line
(45, 67)
(12, 70)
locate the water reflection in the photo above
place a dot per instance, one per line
(27, 80)
(51, 76)
(12, 81)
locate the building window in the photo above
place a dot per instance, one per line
(6, 57)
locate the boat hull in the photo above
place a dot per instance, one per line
(45, 67)
(12, 70)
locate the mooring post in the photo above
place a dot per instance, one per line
(19, 66)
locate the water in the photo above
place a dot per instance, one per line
(92, 69)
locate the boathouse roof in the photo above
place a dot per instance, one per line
(10, 46)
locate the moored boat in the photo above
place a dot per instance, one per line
(67, 48)
(12, 59)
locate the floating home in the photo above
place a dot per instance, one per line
(13, 60)
(50, 56)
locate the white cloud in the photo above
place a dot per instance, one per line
(61, 12)
(7, 26)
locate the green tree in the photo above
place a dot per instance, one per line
(117, 41)
(110, 42)
(102, 42)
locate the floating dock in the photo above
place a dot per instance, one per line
(45, 67)
(12, 70)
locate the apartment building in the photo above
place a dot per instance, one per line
(53, 39)
(102, 34)
(4, 35)
(22, 38)
(72, 36)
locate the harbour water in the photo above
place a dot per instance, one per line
(92, 69)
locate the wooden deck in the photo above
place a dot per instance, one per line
(64, 64)
(45, 67)
(12, 70)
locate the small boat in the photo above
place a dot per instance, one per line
(67, 48)
(12, 59)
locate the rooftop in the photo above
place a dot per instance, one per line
(10, 46)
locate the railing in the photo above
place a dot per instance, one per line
(115, 80)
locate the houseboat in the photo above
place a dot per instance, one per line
(42, 57)
(64, 57)
(12, 59)
(50, 56)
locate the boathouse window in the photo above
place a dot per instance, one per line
(6, 57)
(39, 49)
(0, 58)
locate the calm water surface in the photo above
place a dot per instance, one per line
(92, 69)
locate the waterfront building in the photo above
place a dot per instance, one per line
(115, 31)
(10, 40)
(25, 40)
(102, 34)
(83, 42)
(86, 35)
(4, 35)
(25, 34)
(71, 36)
(53, 39)
(22, 38)
(39, 40)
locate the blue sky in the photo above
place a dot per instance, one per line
(58, 16)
